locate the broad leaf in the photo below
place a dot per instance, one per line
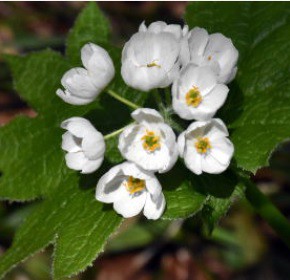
(72, 220)
(32, 165)
(258, 110)
(90, 27)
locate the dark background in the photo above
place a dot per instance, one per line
(242, 246)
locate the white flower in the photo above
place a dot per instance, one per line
(214, 50)
(85, 145)
(150, 143)
(196, 94)
(150, 59)
(83, 85)
(205, 147)
(131, 190)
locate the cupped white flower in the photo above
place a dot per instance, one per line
(205, 147)
(150, 143)
(214, 50)
(196, 93)
(150, 59)
(83, 85)
(85, 146)
(131, 190)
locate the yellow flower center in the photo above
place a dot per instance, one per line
(151, 141)
(202, 145)
(153, 64)
(193, 97)
(134, 185)
(209, 58)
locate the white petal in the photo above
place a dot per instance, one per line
(67, 97)
(154, 208)
(157, 26)
(198, 40)
(143, 78)
(213, 101)
(211, 165)
(70, 143)
(79, 127)
(79, 83)
(216, 129)
(130, 205)
(192, 159)
(75, 161)
(98, 63)
(127, 137)
(147, 114)
(93, 145)
(131, 169)
(92, 165)
(142, 27)
(173, 160)
(181, 144)
(153, 187)
(109, 187)
(222, 150)
(202, 77)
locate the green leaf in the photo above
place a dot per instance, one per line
(72, 220)
(258, 109)
(217, 207)
(32, 164)
(90, 27)
(186, 193)
(31, 160)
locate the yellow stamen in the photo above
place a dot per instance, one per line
(151, 141)
(193, 97)
(202, 145)
(153, 64)
(134, 185)
(209, 58)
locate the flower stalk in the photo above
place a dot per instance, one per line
(268, 211)
(123, 100)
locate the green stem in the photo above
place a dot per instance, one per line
(123, 100)
(157, 96)
(168, 97)
(268, 211)
(116, 132)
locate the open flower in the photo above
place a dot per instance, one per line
(150, 59)
(83, 85)
(214, 50)
(196, 94)
(150, 143)
(131, 190)
(205, 147)
(85, 145)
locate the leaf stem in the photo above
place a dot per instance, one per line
(123, 100)
(116, 132)
(268, 211)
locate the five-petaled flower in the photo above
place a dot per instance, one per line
(131, 190)
(214, 50)
(196, 94)
(150, 59)
(205, 147)
(83, 85)
(150, 143)
(85, 145)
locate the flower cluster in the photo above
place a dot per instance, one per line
(198, 66)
